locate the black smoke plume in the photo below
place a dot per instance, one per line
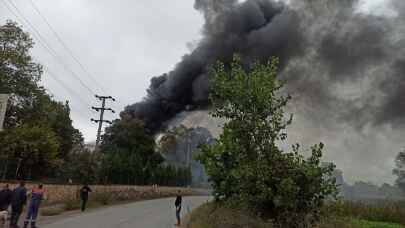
(339, 63)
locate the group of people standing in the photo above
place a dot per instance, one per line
(17, 199)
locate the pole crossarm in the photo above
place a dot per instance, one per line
(101, 120)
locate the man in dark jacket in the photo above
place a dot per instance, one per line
(18, 201)
(84, 195)
(5, 198)
(177, 203)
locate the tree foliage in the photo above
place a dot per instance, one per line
(80, 166)
(30, 111)
(19, 74)
(29, 150)
(399, 170)
(130, 157)
(246, 164)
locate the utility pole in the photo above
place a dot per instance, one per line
(101, 120)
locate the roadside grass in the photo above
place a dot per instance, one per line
(211, 215)
(377, 211)
(335, 215)
(368, 224)
(341, 222)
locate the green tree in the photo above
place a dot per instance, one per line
(246, 165)
(80, 166)
(19, 74)
(29, 105)
(399, 170)
(130, 155)
(29, 151)
(57, 116)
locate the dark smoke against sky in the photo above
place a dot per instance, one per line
(345, 70)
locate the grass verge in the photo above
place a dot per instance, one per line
(211, 215)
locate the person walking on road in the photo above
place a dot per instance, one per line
(5, 198)
(84, 195)
(37, 195)
(18, 200)
(177, 203)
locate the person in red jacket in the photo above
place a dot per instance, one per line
(37, 196)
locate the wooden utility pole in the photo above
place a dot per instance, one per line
(101, 120)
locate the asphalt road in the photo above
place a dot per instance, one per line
(158, 213)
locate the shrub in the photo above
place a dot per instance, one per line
(246, 165)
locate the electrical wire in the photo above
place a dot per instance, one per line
(63, 43)
(46, 46)
(67, 88)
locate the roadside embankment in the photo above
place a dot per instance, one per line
(335, 215)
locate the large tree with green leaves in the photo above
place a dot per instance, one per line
(30, 109)
(130, 155)
(28, 151)
(246, 165)
(19, 74)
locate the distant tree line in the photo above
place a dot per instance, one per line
(127, 156)
(39, 141)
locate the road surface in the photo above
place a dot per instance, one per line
(158, 213)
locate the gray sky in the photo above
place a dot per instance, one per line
(123, 45)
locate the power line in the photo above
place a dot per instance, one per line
(65, 46)
(62, 99)
(68, 89)
(43, 42)
(50, 50)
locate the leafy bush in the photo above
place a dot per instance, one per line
(246, 165)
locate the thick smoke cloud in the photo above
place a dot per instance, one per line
(344, 68)
(230, 28)
(323, 46)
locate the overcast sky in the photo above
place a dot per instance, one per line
(122, 46)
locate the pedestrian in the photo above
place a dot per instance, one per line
(5, 198)
(37, 195)
(84, 195)
(177, 203)
(18, 200)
